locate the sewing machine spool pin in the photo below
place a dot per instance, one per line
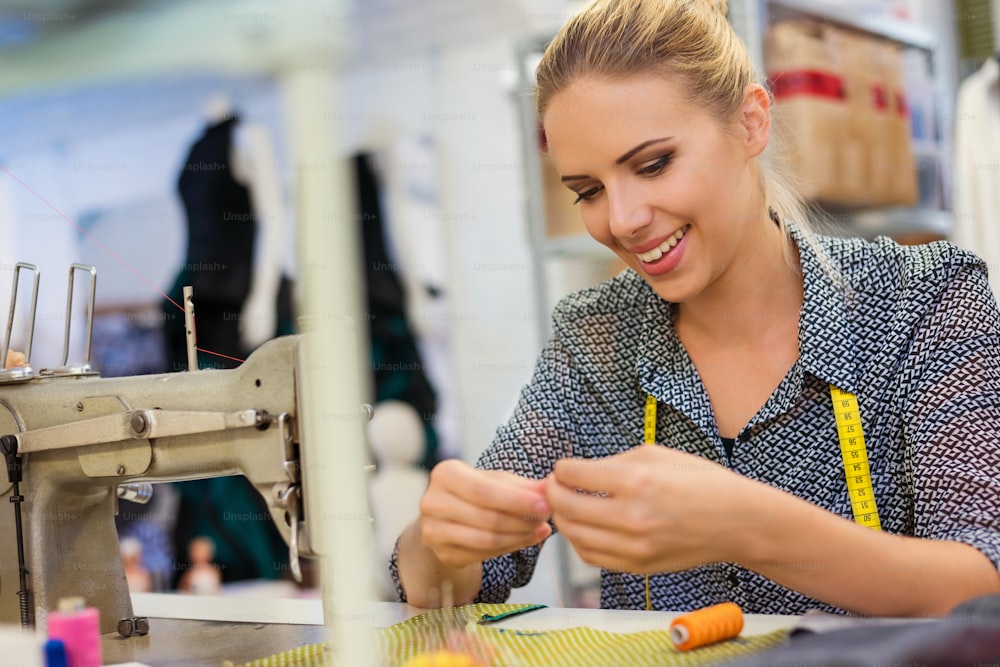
(76, 369)
(189, 328)
(25, 372)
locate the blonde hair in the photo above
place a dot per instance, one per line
(689, 40)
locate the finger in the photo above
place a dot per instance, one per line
(629, 554)
(456, 544)
(570, 504)
(448, 507)
(610, 559)
(535, 485)
(502, 493)
(592, 474)
(527, 483)
(518, 480)
(541, 508)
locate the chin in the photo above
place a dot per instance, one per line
(669, 288)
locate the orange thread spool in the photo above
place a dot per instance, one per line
(707, 626)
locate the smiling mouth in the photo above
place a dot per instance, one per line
(665, 247)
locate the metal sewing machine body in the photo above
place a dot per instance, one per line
(76, 439)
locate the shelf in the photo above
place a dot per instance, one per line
(894, 222)
(902, 32)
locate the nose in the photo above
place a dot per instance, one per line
(628, 212)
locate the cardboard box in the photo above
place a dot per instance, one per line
(903, 190)
(859, 131)
(810, 111)
(840, 99)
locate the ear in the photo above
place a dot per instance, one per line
(755, 116)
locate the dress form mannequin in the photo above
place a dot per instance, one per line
(396, 438)
(254, 164)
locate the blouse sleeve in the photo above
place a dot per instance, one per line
(953, 416)
(539, 433)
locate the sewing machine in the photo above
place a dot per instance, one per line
(76, 443)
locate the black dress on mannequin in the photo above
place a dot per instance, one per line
(221, 229)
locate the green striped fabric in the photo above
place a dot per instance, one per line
(503, 647)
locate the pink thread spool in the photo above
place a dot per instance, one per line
(79, 628)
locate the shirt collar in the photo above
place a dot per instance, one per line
(826, 338)
(665, 370)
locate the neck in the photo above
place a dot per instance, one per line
(759, 294)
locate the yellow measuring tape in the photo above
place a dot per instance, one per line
(649, 438)
(855, 456)
(852, 451)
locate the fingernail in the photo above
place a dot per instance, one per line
(541, 507)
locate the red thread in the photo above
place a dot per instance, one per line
(107, 250)
(225, 356)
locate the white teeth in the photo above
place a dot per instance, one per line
(659, 251)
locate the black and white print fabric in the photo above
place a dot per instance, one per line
(914, 332)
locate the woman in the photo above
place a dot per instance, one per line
(740, 324)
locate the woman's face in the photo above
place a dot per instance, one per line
(660, 182)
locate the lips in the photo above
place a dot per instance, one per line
(655, 253)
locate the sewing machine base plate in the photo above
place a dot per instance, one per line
(190, 643)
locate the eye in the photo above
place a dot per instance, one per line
(656, 166)
(587, 195)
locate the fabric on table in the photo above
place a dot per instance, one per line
(573, 647)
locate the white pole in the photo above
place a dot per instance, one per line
(334, 368)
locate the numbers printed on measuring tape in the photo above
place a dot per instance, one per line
(649, 421)
(855, 456)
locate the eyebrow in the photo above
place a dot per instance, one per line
(628, 154)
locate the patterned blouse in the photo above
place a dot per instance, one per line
(914, 332)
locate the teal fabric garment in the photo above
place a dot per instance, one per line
(398, 371)
(230, 512)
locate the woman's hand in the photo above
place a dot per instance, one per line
(469, 515)
(651, 509)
